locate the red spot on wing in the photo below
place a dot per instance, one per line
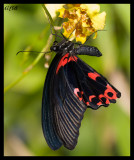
(64, 60)
(111, 90)
(90, 97)
(99, 103)
(76, 91)
(87, 103)
(101, 96)
(102, 99)
(93, 75)
(93, 96)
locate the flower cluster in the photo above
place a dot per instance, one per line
(83, 20)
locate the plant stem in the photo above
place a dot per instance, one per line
(49, 18)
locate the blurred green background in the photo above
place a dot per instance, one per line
(103, 132)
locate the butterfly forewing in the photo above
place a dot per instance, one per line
(48, 125)
(61, 111)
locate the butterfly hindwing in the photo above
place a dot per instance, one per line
(93, 89)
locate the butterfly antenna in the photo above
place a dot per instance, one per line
(33, 51)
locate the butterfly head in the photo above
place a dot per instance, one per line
(63, 47)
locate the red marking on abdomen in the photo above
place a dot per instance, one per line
(93, 75)
(64, 60)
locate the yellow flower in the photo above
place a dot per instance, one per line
(62, 10)
(83, 20)
(99, 21)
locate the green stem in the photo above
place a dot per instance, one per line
(49, 17)
(13, 84)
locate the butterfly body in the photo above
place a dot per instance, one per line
(70, 87)
(66, 46)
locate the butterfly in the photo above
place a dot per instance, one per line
(71, 86)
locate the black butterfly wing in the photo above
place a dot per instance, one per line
(68, 109)
(94, 89)
(71, 86)
(48, 124)
(61, 110)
